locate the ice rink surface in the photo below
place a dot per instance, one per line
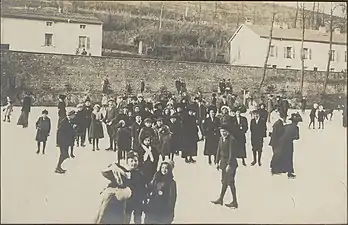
(32, 193)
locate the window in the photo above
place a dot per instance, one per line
(49, 24)
(82, 26)
(289, 53)
(82, 41)
(48, 39)
(315, 68)
(274, 66)
(332, 55)
(307, 53)
(273, 51)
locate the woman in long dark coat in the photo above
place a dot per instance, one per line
(190, 137)
(96, 128)
(241, 128)
(212, 134)
(24, 117)
(43, 129)
(282, 160)
(176, 128)
(162, 196)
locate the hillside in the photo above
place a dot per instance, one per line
(190, 31)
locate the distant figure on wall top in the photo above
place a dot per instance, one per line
(84, 52)
(106, 88)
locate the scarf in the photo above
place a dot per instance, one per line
(148, 153)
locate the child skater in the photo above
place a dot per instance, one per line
(149, 157)
(124, 140)
(43, 129)
(8, 109)
(313, 115)
(96, 128)
(321, 117)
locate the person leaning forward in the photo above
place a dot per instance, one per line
(227, 162)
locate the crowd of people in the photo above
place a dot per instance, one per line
(144, 133)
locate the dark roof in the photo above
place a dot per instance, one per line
(48, 14)
(296, 34)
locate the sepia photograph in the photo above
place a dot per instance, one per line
(173, 112)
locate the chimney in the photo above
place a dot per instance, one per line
(322, 29)
(337, 30)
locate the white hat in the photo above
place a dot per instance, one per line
(225, 107)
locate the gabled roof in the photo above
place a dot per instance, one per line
(48, 14)
(295, 34)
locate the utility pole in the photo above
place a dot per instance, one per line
(302, 50)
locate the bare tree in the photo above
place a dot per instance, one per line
(296, 15)
(317, 23)
(268, 49)
(200, 11)
(312, 22)
(302, 50)
(330, 50)
(186, 10)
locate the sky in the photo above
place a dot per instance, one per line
(309, 5)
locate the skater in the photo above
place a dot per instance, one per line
(176, 128)
(212, 134)
(258, 130)
(282, 160)
(303, 104)
(142, 86)
(313, 115)
(43, 129)
(321, 117)
(26, 105)
(124, 193)
(135, 130)
(277, 132)
(65, 136)
(61, 107)
(162, 196)
(227, 162)
(109, 120)
(164, 136)
(8, 109)
(190, 136)
(87, 114)
(178, 86)
(80, 125)
(149, 159)
(96, 132)
(124, 140)
(239, 134)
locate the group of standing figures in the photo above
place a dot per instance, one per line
(142, 132)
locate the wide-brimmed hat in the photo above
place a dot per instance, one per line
(148, 120)
(111, 100)
(44, 112)
(62, 97)
(296, 117)
(88, 99)
(96, 106)
(132, 154)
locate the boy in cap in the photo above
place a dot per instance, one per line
(43, 129)
(86, 112)
(227, 162)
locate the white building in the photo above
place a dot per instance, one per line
(50, 32)
(248, 47)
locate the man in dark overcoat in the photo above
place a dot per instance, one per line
(227, 162)
(135, 130)
(142, 86)
(269, 107)
(303, 104)
(109, 120)
(86, 112)
(178, 86)
(65, 137)
(201, 113)
(211, 134)
(241, 128)
(258, 130)
(277, 132)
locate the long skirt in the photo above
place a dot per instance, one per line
(111, 210)
(241, 150)
(23, 119)
(211, 144)
(282, 160)
(190, 148)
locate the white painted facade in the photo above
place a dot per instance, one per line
(29, 35)
(249, 49)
